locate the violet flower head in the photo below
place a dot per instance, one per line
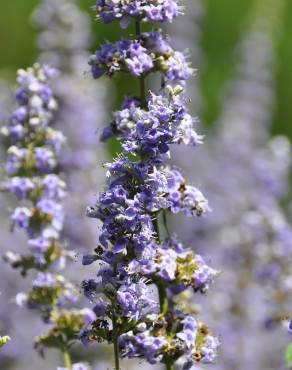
(39, 190)
(146, 11)
(141, 269)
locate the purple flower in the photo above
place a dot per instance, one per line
(45, 160)
(135, 300)
(189, 332)
(209, 349)
(15, 159)
(20, 186)
(21, 217)
(100, 309)
(88, 259)
(153, 11)
(88, 315)
(44, 280)
(54, 187)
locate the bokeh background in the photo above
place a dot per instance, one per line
(223, 25)
(216, 28)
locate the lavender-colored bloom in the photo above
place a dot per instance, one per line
(152, 11)
(149, 53)
(135, 300)
(143, 345)
(209, 349)
(88, 259)
(20, 186)
(21, 217)
(44, 280)
(88, 315)
(151, 131)
(41, 191)
(45, 160)
(189, 332)
(141, 188)
(100, 308)
(63, 42)
(54, 187)
(15, 159)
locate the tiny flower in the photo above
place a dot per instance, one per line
(88, 259)
(21, 217)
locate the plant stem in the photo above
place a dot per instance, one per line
(156, 227)
(164, 217)
(67, 359)
(115, 331)
(115, 341)
(162, 299)
(142, 91)
(169, 365)
(142, 77)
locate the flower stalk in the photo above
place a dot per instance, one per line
(137, 263)
(67, 359)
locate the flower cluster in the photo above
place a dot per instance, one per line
(150, 52)
(174, 266)
(31, 161)
(150, 131)
(189, 337)
(138, 266)
(151, 11)
(63, 40)
(34, 180)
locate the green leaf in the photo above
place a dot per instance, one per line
(288, 355)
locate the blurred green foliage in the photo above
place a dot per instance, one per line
(288, 355)
(223, 25)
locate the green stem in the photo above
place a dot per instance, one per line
(156, 227)
(169, 365)
(142, 91)
(164, 217)
(142, 77)
(115, 331)
(67, 359)
(162, 299)
(116, 344)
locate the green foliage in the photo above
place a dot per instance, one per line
(288, 355)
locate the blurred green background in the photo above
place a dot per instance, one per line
(223, 25)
